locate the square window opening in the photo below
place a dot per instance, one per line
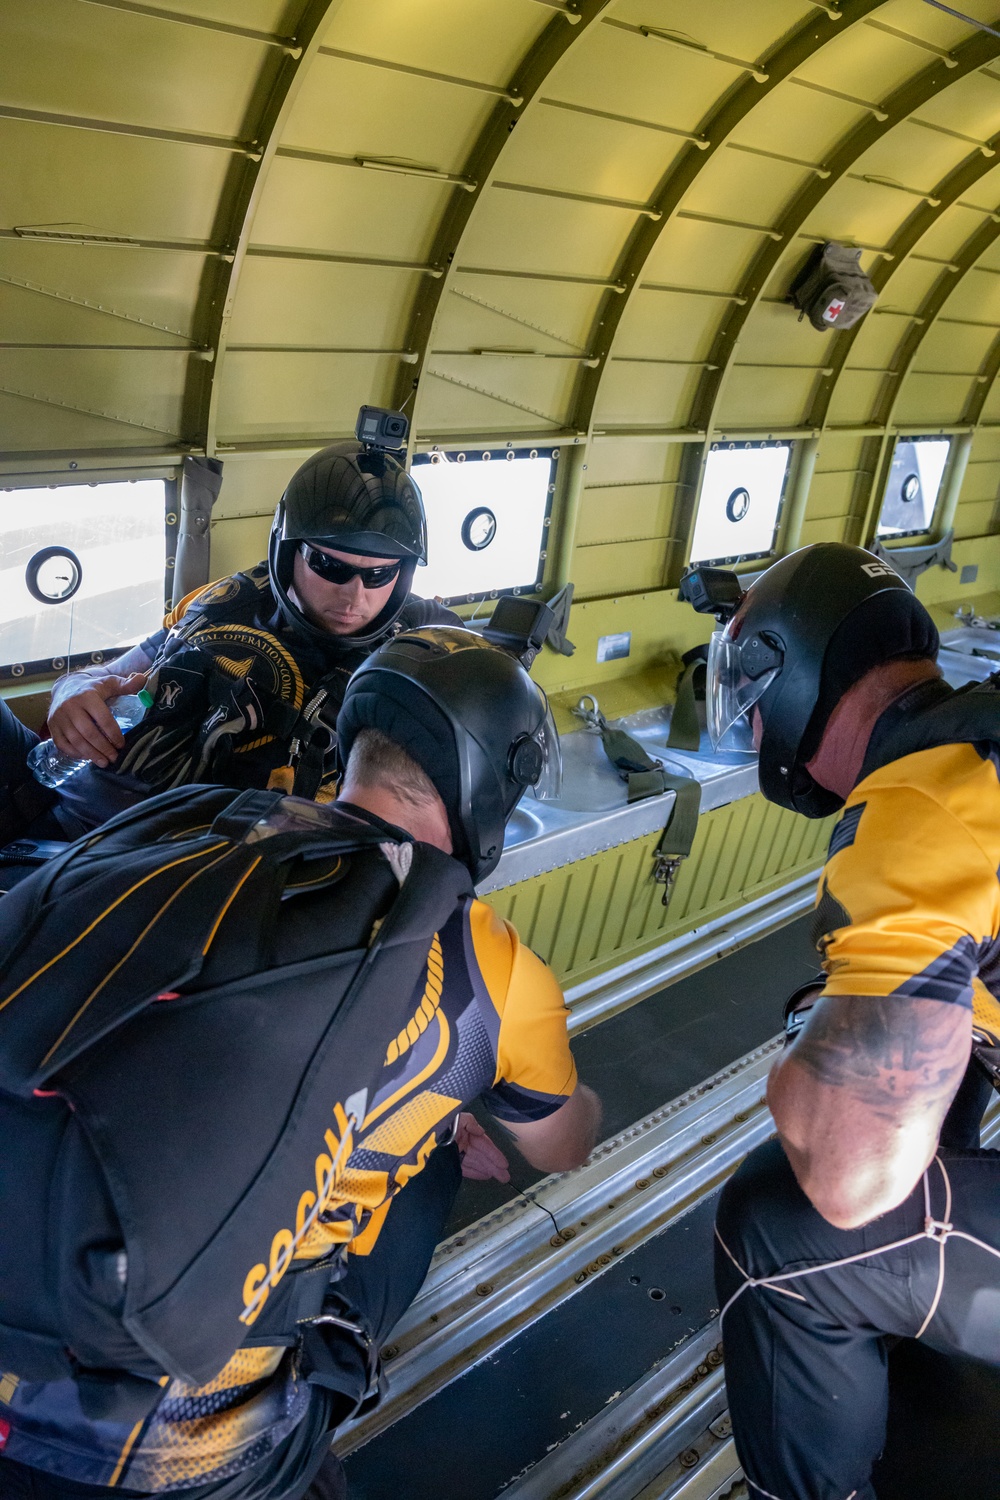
(488, 515)
(740, 503)
(82, 570)
(913, 487)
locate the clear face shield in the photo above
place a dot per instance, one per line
(730, 695)
(548, 787)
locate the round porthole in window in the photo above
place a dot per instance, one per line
(53, 575)
(910, 488)
(738, 504)
(479, 528)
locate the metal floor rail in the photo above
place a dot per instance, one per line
(668, 1438)
(492, 1280)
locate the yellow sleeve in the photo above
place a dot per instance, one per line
(535, 1071)
(907, 900)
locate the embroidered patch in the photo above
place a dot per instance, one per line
(4, 1434)
(843, 835)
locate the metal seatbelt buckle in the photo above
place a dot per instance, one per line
(665, 868)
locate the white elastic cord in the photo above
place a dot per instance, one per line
(761, 1491)
(941, 1230)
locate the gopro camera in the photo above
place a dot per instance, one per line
(519, 626)
(712, 591)
(379, 428)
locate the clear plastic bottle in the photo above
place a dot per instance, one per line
(49, 766)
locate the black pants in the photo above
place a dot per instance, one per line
(25, 806)
(376, 1291)
(806, 1357)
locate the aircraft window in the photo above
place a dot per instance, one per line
(81, 572)
(487, 521)
(914, 484)
(740, 501)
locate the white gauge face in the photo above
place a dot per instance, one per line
(479, 528)
(53, 575)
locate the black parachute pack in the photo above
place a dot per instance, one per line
(170, 1094)
(831, 290)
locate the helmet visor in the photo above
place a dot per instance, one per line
(730, 695)
(548, 787)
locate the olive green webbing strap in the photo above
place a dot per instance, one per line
(685, 731)
(645, 777)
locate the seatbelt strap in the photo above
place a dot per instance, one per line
(645, 777)
(685, 731)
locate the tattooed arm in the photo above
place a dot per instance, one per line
(860, 1097)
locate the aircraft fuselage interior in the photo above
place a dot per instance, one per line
(645, 297)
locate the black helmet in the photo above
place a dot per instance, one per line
(806, 631)
(472, 719)
(358, 499)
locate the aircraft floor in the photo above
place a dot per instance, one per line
(504, 1414)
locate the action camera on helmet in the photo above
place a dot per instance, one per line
(378, 427)
(711, 591)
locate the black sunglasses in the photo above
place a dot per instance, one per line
(333, 570)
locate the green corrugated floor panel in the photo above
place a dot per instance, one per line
(598, 911)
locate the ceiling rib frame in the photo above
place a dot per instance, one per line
(530, 76)
(809, 38)
(203, 394)
(899, 106)
(180, 18)
(937, 299)
(911, 95)
(948, 193)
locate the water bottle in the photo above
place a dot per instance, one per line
(49, 766)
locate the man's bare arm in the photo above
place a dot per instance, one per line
(565, 1138)
(80, 722)
(860, 1097)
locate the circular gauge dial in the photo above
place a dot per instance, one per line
(738, 504)
(479, 528)
(53, 575)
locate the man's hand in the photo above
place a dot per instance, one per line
(481, 1158)
(80, 722)
(564, 1139)
(860, 1097)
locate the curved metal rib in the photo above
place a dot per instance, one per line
(931, 83)
(245, 188)
(947, 193)
(551, 47)
(929, 311)
(810, 38)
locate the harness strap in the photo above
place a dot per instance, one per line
(685, 731)
(645, 777)
(938, 1230)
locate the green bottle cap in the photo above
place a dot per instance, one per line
(145, 698)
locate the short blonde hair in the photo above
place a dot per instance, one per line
(376, 760)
